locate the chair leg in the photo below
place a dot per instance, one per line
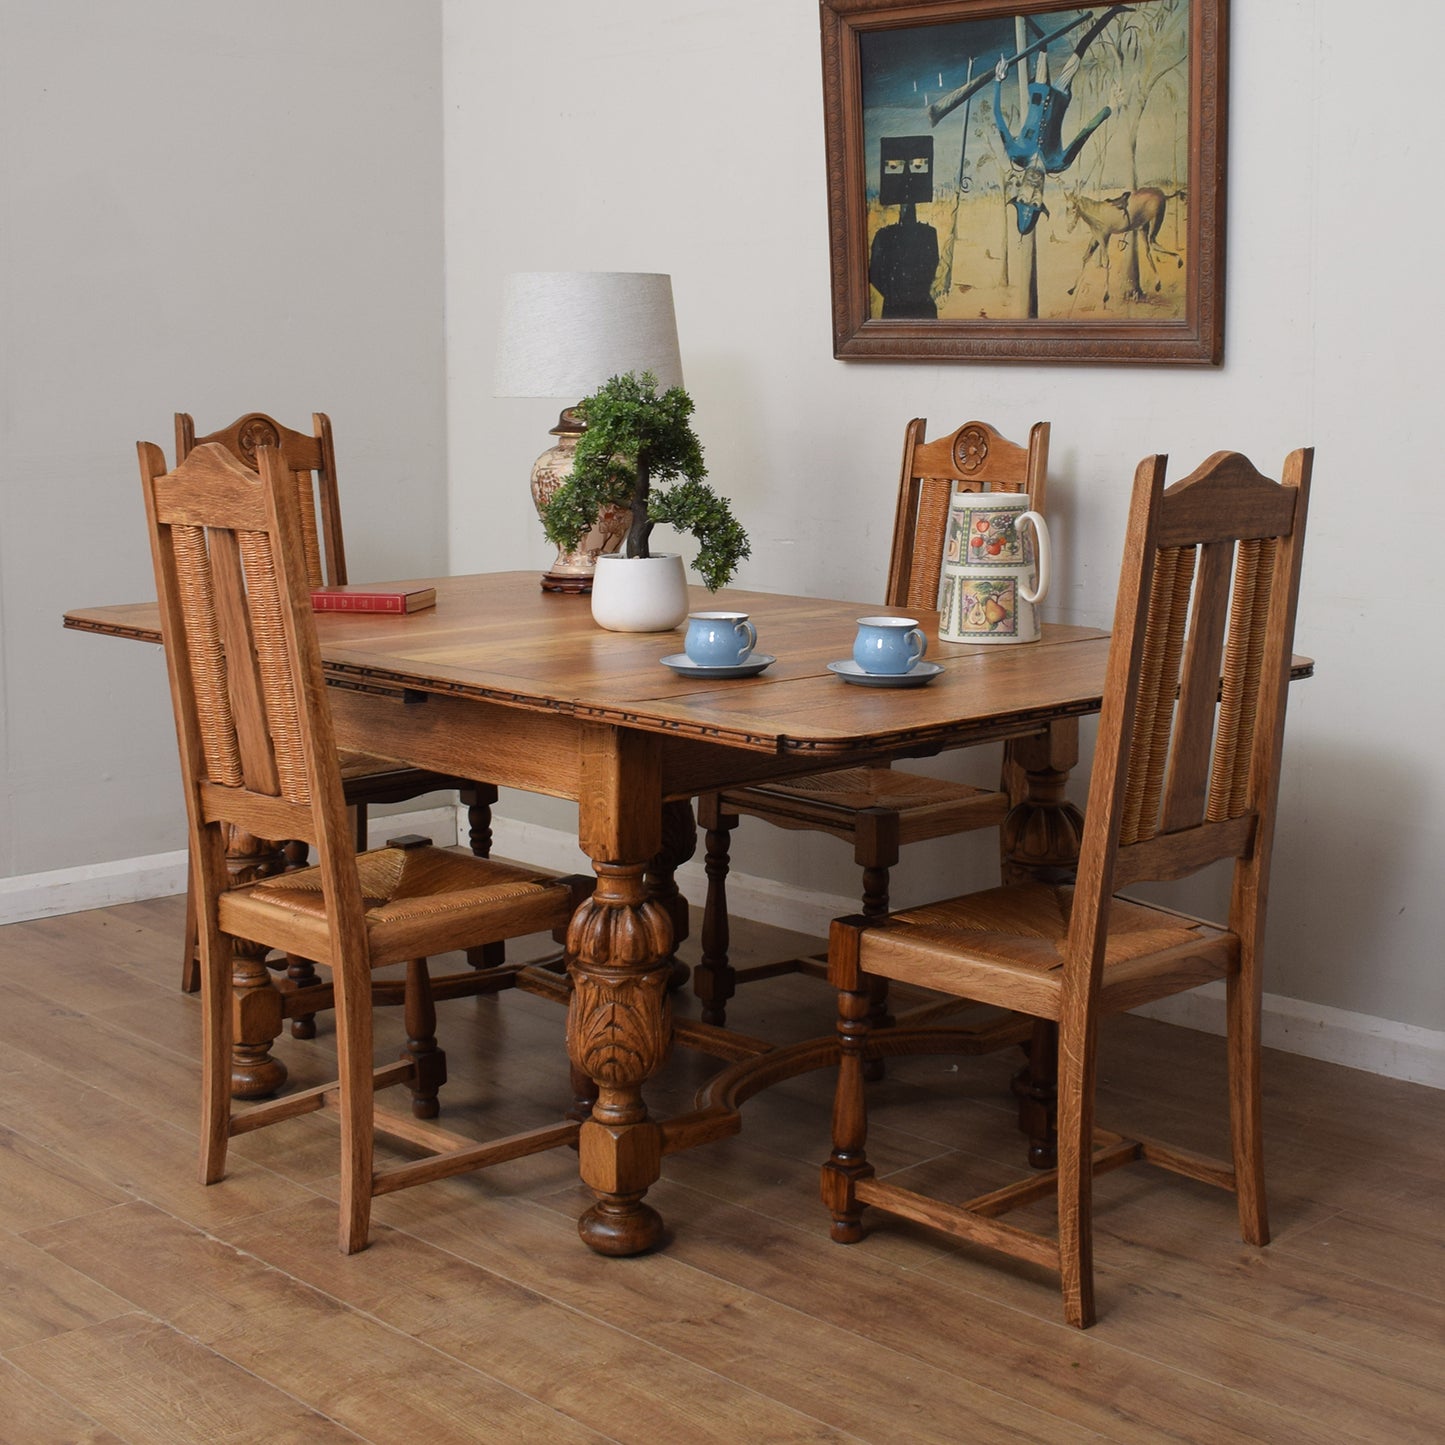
(190, 959)
(875, 850)
(714, 980)
(1246, 1107)
(301, 972)
(1036, 1087)
(358, 1106)
(478, 800)
(216, 1031)
(421, 1041)
(1076, 1172)
(848, 1162)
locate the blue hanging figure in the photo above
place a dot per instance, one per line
(1038, 149)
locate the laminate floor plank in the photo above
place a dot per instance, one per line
(39, 1186)
(478, 1315)
(40, 1296)
(151, 1159)
(37, 1415)
(612, 1378)
(147, 1382)
(785, 1351)
(301, 1341)
(970, 1321)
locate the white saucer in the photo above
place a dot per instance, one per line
(920, 674)
(684, 666)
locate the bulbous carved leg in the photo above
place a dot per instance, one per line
(619, 1028)
(256, 1002)
(1041, 835)
(848, 1162)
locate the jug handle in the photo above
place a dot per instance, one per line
(1041, 532)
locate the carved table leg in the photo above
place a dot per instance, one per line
(619, 1019)
(619, 1026)
(679, 843)
(255, 999)
(1040, 841)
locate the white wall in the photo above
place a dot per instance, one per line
(213, 207)
(687, 138)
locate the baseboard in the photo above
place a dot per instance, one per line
(1296, 1026)
(1358, 1041)
(130, 880)
(1337, 1036)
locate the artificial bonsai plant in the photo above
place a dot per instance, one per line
(637, 440)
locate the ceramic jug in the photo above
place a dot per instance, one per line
(995, 568)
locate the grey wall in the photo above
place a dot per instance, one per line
(688, 138)
(212, 207)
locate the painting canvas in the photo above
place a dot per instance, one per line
(1022, 182)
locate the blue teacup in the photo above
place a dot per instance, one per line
(719, 639)
(888, 645)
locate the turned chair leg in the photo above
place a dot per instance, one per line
(848, 1162)
(1036, 1088)
(875, 850)
(714, 979)
(421, 1041)
(478, 800)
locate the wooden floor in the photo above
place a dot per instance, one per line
(138, 1306)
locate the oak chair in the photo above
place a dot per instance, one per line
(310, 465)
(1185, 774)
(258, 752)
(877, 809)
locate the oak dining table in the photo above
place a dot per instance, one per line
(502, 681)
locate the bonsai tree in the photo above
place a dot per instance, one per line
(636, 440)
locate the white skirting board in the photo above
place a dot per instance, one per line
(129, 880)
(1358, 1041)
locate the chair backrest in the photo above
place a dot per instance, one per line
(258, 748)
(974, 458)
(311, 462)
(1187, 762)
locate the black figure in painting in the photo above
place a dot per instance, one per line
(904, 258)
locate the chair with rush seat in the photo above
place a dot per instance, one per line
(1185, 774)
(310, 465)
(258, 753)
(877, 809)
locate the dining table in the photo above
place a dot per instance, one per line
(504, 681)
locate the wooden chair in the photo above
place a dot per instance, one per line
(258, 752)
(310, 463)
(1185, 774)
(877, 809)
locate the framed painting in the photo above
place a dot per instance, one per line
(1016, 181)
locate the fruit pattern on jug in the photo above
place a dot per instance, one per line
(993, 538)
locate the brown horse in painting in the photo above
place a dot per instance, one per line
(1138, 212)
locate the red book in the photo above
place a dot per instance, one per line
(372, 599)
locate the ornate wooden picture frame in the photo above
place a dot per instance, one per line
(1011, 180)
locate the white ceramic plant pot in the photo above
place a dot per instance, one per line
(639, 594)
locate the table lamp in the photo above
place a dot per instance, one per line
(562, 334)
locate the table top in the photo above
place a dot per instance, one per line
(499, 638)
